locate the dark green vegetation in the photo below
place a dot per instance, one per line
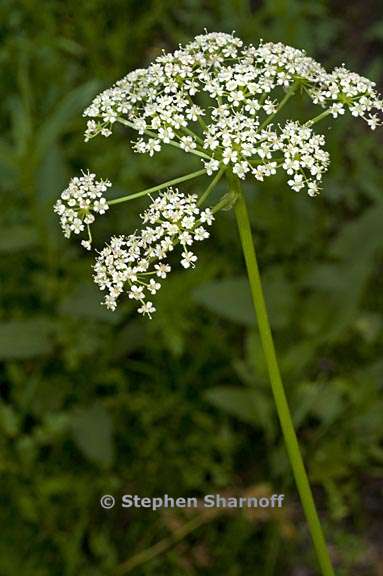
(94, 402)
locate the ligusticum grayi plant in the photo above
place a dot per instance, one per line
(217, 99)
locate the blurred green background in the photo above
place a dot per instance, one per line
(95, 402)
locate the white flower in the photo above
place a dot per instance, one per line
(252, 106)
(243, 88)
(86, 244)
(188, 222)
(162, 270)
(296, 183)
(229, 156)
(186, 238)
(153, 145)
(188, 259)
(373, 121)
(153, 286)
(201, 233)
(337, 109)
(269, 106)
(258, 172)
(187, 143)
(131, 262)
(207, 216)
(241, 169)
(136, 292)
(166, 134)
(313, 189)
(245, 85)
(79, 203)
(146, 309)
(211, 166)
(303, 155)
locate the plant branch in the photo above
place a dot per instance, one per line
(284, 100)
(316, 119)
(211, 186)
(280, 399)
(158, 187)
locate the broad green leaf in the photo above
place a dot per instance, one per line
(279, 296)
(229, 298)
(20, 339)
(329, 404)
(359, 240)
(249, 405)
(85, 302)
(58, 122)
(333, 307)
(52, 176)
(322, 400)
(92, 430)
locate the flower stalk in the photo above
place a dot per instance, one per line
(157, 188)
(280, 399)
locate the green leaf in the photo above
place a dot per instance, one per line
(249, 405)
(229, 298)
(85, 302)
(322, 400)
(279, 296)
(52, 176)
(333, 307)
(21, 339)
(93, 433)
(58, 122)
(359, 240)
(329, 404)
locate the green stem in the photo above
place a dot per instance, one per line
(211, 186)
(158, 187)
(192, 134)
(324, 114)
(282, 407)
(284, 100)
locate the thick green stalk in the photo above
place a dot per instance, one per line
(282, 407)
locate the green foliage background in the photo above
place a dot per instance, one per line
(94, 402)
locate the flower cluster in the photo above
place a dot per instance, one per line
(79, 203)
(140, 260)
(294, 147)
(303, 156)
(344, 90)
(247, 86)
